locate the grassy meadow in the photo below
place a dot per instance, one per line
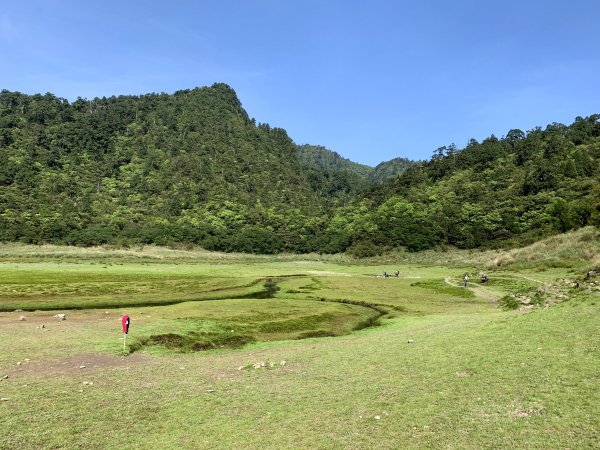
(238, 351)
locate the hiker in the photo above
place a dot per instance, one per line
(466, 279)
(385, 275)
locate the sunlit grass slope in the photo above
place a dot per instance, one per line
(492, 380)
(445, 368)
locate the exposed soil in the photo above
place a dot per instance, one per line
(72, 365)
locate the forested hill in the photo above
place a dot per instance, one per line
(192, 167)
(321, 158)
(339, 178)
(389, 169)
(332, 176)
(496, 192)
(159, 168)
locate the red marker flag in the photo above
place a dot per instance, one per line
(125, 323)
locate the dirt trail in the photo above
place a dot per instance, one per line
(478, 291)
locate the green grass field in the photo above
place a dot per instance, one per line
(345, 358)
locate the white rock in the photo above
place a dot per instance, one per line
(377, 417)
(22, 318)
(283, 362)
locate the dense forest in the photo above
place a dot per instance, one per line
(193, 167)
(499, 192)
(338, 175)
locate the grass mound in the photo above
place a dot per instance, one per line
(195, 341)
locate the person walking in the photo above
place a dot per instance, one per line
(466, 279)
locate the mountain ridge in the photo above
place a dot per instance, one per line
(193, 167)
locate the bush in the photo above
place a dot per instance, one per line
(509, 302)
(365, 249)
(92, 235)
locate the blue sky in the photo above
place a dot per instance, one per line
(370, 79)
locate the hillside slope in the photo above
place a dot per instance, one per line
(508, 191)
(194, 168)
(159, 168)
(323, 159)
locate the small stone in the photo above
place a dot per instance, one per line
(82, 367)
(5, 377)
(240, 368)
(283, 362)
(410, 341)
(271, 364)
(86, 382)
(3, 399)
(61, 316)
(19, 363)
(22, 318)
(377, 417)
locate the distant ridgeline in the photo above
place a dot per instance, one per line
(329, 170)
(192, 167)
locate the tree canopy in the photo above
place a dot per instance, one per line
(193, 167)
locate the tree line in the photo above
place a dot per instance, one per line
(193, 167)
